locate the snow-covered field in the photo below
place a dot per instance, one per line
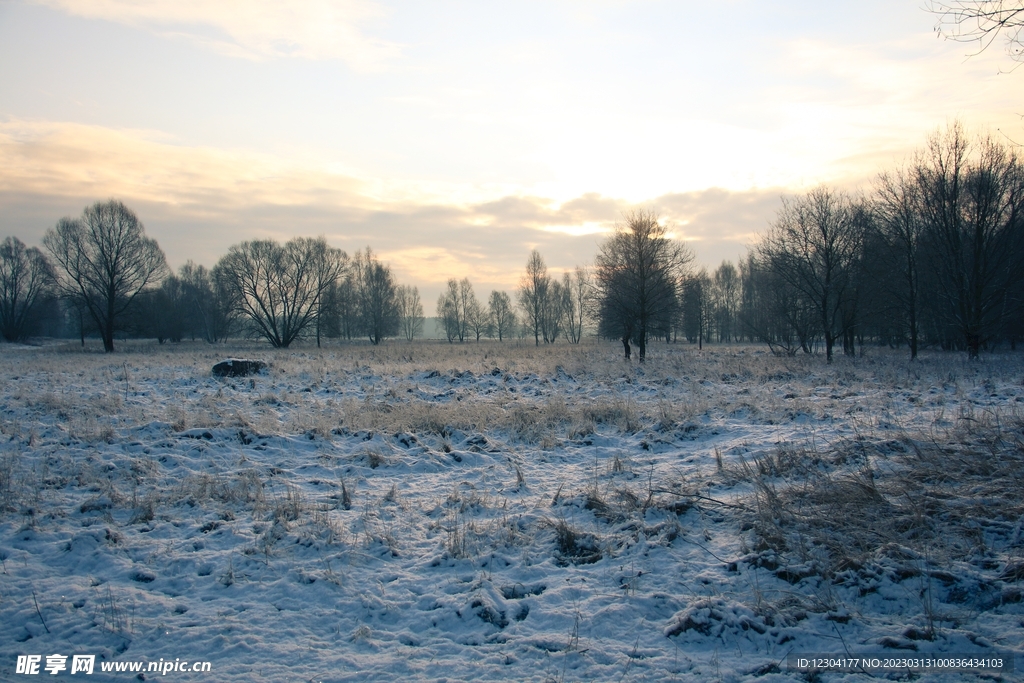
(506, 512)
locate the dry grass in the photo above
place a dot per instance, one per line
(431, 387)
(927, 503)
(947, 490)
(302, 392)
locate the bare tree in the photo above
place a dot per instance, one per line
(533, 295)
(457, 308)
(503, 318)
(26, 277)
(615, 320)
(329, 267)
(638, 272)
(468, 306)
(477, 319)
(813, 245)
(448, 312)
(376, 297)
(576, 300)
(899, 226)
(775, 312)
(982, 21)
(279, 289)
(698, 307)
(105, 260)
(209, 313)
(973, 208)
(164, 312)
(410, 311)
(343, 305)
(725, 297)
(251, 272)
(553, 311)
(542, 300)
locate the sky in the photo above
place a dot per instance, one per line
(455, 137)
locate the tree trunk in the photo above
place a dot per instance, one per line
(973, 345)
(108, 335)
(913, 333)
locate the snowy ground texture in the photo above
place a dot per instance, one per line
(503, 512)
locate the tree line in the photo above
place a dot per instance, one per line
(105, 276)
(931, 255)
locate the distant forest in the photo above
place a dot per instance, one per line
(930, 256)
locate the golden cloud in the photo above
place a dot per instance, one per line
(80, 160)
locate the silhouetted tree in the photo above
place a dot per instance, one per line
(279, 289)
(105, 261)
(26, 280)
(576, 300)
(770, 307)
(615, 319)
(813, 245)
(343, 306)
(973, 207)
(503, 318)
(410, 312)
(457, 309)
(164, 312)
(477, 318)
(981, 21)
(534, 289)
(638, 272)
(553, 311)
(329, 267)
(448, 312)
(698, 307)
(899, 232)
(209, 312)
(376, 297)
(725, 298)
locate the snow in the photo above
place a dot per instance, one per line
(505, 512)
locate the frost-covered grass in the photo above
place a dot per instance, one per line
(507, 512)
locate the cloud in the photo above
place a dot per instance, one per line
(85, 160)
(255, 29)
(198, 201)
(718, 213)
(592, 211)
